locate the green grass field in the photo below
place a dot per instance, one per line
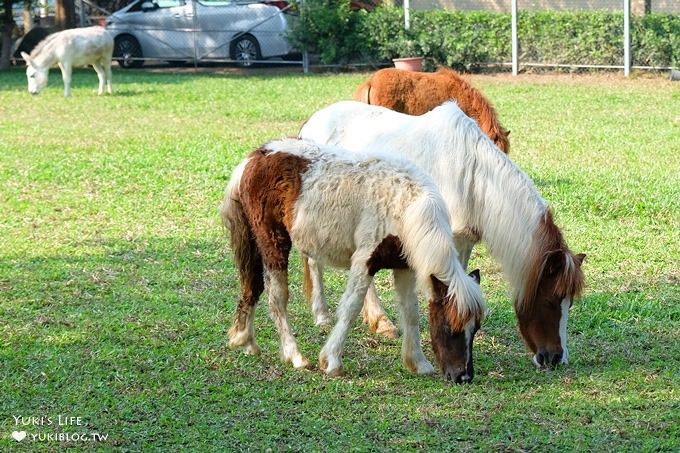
(117, 285)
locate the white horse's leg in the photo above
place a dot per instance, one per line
(66, 77)
(278, 303)
(330, 358)
(407, 301)
(374, 315)
(322, 316)
(463, 247)
(101, 74)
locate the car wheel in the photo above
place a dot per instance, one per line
(245, 50)
(125, 49)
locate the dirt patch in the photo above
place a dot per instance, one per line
(650, 79)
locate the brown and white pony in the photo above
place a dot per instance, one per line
(415, 93)
(488, 198)
(360, 212)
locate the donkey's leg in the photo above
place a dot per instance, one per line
(407, 301)
(66, 77)
(330, 358)
(107, 71)
(101, 75)
(322, 316)
(374, 315)
(278, 307)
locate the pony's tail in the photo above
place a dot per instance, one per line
(363, 93)
(246, 253)
(307, 281)
(429, 249)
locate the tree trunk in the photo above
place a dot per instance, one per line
(648, 6)
(65, 14)
(28, 16)
(6, 40)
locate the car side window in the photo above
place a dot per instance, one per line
(216, 2)
(169, 3)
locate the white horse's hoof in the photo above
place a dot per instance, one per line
(323, 320)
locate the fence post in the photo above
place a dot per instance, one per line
(515, 49)
(626, 38)
(407, 14)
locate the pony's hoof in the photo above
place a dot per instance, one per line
(425, 369)
(324, 320)
(247, 346)
(335, 372)
(383, 326)
(386, 328)
(251, 349)
(300, 363)
(323, 362)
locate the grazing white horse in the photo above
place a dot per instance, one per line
(69, 48)
(488, 198)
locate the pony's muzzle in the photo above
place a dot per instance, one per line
(545, 358)
(459, 376)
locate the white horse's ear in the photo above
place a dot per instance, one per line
(26, 57)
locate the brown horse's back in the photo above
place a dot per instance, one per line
(416, 93)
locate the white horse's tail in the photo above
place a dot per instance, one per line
(429, 248)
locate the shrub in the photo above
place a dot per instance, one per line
(465, 40)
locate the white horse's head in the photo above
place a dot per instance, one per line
(36, 75)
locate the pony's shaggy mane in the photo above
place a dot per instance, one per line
(430, 250)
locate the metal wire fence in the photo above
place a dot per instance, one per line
(526, 54)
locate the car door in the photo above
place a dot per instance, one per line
(215, 27)
(169, 30)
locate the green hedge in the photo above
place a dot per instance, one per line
(465, 40)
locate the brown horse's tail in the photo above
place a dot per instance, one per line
(307, 281)
(247, 255)
(363, 93)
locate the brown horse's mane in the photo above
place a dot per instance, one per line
(550, 254)
(480, 108)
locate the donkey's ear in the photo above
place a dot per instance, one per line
(508, 133)
(476, 276)
(580, 257)
(26, 57)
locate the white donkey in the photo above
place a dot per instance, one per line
(69, 48)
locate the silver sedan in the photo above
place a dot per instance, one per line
(199, 30)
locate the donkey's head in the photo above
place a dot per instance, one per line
(36, 75)
(451, 335)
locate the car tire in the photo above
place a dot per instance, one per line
(125, 48)
(245, 50)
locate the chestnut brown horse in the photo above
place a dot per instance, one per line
(415, 93)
